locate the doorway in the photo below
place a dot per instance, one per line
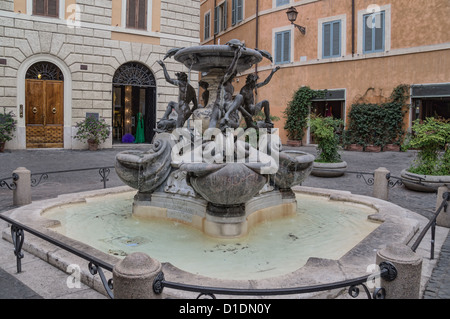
(44, 106)
(134, 104)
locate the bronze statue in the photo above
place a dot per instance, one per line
(225, 107)
(205, 95)
(249, 100)
(186, 95)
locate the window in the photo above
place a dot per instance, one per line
(331, 37)
(48, 8)
(237, 14)
(220, 17)
(374, 32)
(137, 14)
(207, 25)
(283, 47)
(282, 2)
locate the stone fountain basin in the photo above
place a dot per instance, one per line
(397, 225)
(224, 184)
(208, 57)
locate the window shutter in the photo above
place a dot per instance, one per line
(52, 8)
(336, 45)
(368, 28)
(287, 46)
(326, 40)
(240, 11)
(278, 47)
(225, 15)
(216, 20)
(39, 7)
(131, 13)
(142, 14)
(379, 32)
(233, 12)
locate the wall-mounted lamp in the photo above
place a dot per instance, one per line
(292, 14)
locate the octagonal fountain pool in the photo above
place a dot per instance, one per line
(320, 228)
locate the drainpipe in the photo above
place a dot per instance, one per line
(257, 41)
(214, 10)
(353, 28)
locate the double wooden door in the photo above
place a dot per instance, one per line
(44, 111)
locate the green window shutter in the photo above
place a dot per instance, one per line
(216, 20)
(233, 12)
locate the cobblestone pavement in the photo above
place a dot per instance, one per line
(38, 161)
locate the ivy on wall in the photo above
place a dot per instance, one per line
(297, 111)
(378, 124)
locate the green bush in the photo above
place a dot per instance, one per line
(325, 131)
(92, 129)
(431, 138)
(7, 126)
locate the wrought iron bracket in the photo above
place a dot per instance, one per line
(11, 186)
(107, 284)
(158, 283)
(18, 236)
(36, 181)
(104, 173)
(388, 271)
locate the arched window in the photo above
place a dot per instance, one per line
(44, 71)
(134, 74)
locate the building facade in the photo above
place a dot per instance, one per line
(63, 60)
(358, 50)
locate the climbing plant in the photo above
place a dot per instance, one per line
(297, 111)
(378, 124)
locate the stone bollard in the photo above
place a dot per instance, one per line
(443, 219)
(380, 186)
(409, 272)
(133, 277)
(22, 193)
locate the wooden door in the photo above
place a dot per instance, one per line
(44, 111)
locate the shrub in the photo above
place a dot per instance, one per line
(324, 130)
(431, 138)
(92, 129)
(7, 126)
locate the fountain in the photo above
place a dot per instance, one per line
(207, 191)
(214, 175)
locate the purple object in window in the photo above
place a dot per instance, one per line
(128, 138)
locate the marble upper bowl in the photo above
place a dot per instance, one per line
(207, 57)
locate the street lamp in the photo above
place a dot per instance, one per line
(292, 14)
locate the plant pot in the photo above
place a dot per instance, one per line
(355, 148)
(294, 143)
(93, 146)
(391, 148)
(423, 183)
(373, 149)
(329, 169)
(2, 146)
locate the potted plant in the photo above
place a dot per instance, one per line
(297, 112)
(329, 162)
(94, 131)
(431, 168)
(7, 128)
